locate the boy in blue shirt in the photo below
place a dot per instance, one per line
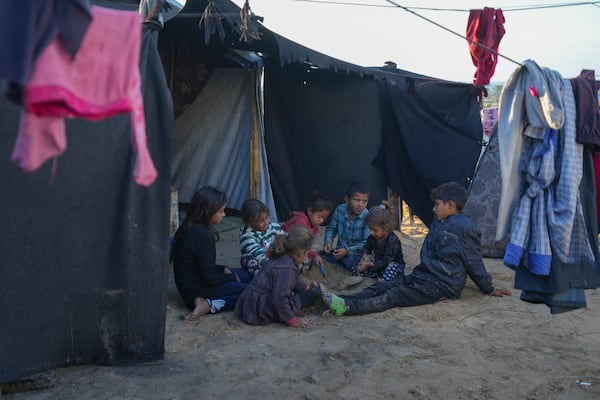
(348, 225)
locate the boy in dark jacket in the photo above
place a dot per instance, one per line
(450, 252)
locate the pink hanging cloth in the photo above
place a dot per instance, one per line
(487, 28)
(101, 81)
(489, 118)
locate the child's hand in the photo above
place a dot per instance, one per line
(228, 271)
(365, 265)
(300, 323)
(327, 248)
(340, 253)
(500, 292)
(317, 260)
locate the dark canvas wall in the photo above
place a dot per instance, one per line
(322, 130)
(328, 122)
(431, 134)
(84, 259)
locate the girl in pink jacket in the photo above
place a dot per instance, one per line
(316, 212)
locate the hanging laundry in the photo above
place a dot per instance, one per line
(36, 24)
(518, 113)
(548, 219)
(546, 182)
(597, 185)
(485, 27)
(489, 117)
(102, 80)
(585, 90)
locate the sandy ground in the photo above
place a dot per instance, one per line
(477, 347)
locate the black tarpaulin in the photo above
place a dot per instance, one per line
(325, 120)
(396, 129)
(431, 134)
(84, 259)
(322, 131)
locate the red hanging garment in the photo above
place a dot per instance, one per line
(487, 28)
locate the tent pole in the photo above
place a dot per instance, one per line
(254, 144)
(395, 207)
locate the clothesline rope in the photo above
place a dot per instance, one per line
(504, 8)
(454, 33)
(410, 10)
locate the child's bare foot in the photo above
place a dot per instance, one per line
(201, 308)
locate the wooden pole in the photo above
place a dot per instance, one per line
(254, 143)
(395, 208)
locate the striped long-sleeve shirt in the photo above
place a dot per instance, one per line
(254, 243)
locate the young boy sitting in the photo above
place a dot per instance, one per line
(348, 224)
(450, 252)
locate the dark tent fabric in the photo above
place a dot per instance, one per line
(484, 199)
(322, 131)
(325, 119)
(280, 50)
(84, 270)
(431, 134)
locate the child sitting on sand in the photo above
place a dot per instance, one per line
(450, 252)
(315, 213)
(204, 285)
(277, 293)
(388, 260)
(348, 225)
(256, 234)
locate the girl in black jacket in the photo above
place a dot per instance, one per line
(205, 286)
